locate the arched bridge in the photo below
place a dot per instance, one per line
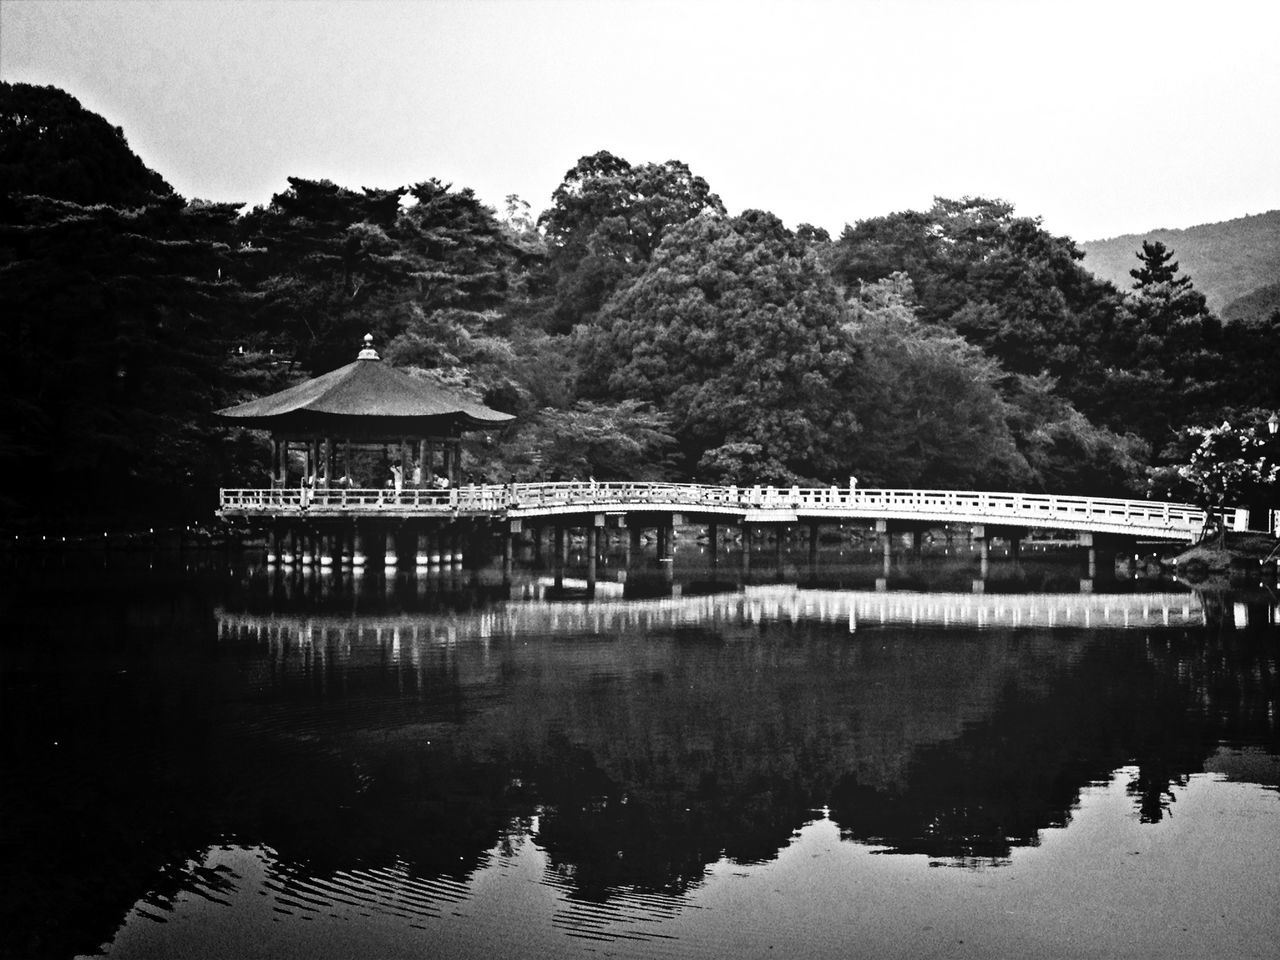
(694, 503)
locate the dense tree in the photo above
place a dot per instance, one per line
(119, 321)
(734, 330)
(606, 441)
(1003, 282)
(606, 220)
(927, 403)
(50, 146)
(327, 267)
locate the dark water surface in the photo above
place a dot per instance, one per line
(208, 759)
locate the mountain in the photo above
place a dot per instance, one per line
(1227, 261)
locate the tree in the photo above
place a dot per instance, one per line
(327, 268)
(927, 404)
(606, 220)
(1230, 465)
(50, 146)
(1001, 281)
(734, 330)
(1156, 268)
(608, 441)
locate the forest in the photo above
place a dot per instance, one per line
(635, 327)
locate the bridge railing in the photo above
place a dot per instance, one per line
(470, 498)
(924, 502)
(533, 499)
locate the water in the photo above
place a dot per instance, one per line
(204, 758)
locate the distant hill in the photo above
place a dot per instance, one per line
(1226, 261)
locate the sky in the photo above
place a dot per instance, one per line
(1102, 118)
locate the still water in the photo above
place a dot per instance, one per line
(205, 758)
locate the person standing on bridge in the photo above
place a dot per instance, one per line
(853, 486)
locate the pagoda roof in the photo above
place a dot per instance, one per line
(367, 395)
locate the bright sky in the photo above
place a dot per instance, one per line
(1101, 117)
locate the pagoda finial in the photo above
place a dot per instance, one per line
(368, 353)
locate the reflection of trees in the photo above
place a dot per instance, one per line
(643, 756)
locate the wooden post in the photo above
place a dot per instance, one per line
(422, 555)
(389, 550)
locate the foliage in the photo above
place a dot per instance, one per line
(1231, 465)
(117, 320)
(607, 441)
(927, 404)
(50, 146)
(734, 330)
(1002, 282)
(607, 219)
(634, 328)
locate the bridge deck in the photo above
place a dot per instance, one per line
(1143, 519)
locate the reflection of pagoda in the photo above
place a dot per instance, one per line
(362, 456)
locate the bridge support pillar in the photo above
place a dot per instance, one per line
(813, 543)
(509, 548)
(747, 532)
(422, 549)
(561, 545)
(713, 541)
(634, 534)
(308, 548)
(593, 549)
(389, 550)
(665, 531)
(886, 544)
(325, 548)
(982, 538)
(1102, 550)
(779, 532)
(273, 545)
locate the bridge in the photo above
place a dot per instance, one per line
(656, 504)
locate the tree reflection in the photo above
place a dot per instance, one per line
(634, 757)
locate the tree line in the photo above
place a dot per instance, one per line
(637, 329)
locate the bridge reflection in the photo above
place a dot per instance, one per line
(750, 605)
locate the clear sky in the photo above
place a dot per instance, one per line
(1101, 117)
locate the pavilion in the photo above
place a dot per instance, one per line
(365, 404)
(335, 501)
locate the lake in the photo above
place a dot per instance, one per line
(204, 757)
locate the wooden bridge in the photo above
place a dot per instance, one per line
(573, 502)
(1143, 520)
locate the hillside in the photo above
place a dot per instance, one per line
(1227, 260)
